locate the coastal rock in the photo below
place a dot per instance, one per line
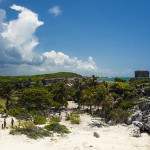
(148, 116)
(146, 107)
(136, 132)
(138, 124)
(137, 116)
(129, 120)
(147, 126)
(96, 134)
(136, 108)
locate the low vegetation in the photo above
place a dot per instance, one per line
(55, 119)
(30, 130)
(57, 128)
(39, 119)
(26, 96)
(74, 118)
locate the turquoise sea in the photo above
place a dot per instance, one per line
(111, 79)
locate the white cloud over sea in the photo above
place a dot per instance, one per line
(17, 48)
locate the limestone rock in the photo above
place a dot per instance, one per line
(137, 116)
(138, 124)
(129, 120)
(146, 107)
(96, 134)
(147, 126)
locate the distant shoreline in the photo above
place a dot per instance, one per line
(112, 79)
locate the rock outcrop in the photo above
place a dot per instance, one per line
(96, 134)
(140, 120)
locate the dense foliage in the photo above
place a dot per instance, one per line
(74, 118)
(55, 119)
(111, 100)
(38, 77)
(56, 127)
(35, 99)
(29, 129)
(39, 119)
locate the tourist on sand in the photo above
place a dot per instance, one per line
(12, 122)
(48, 115)
(4, 122)
(66, 113)
(2, 126)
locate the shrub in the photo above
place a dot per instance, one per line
(56, 127)
(76, 111)
(119, 115)
(33, 134)
(18, 112)
(120, 80)
(2, 109)
(74, 118)
(55, 119)
(126, 105)
(28, 128)
(34, 112)
(28, 125)
(38, 133)
(39, 119)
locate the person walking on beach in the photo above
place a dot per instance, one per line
(66, 113)
(12, 122)
(48, 115)
(4, 122)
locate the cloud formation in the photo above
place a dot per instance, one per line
(55, 11)
(19, 33)
(17, 42)
(60, 59)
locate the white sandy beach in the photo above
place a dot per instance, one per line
(81, 138)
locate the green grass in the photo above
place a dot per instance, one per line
(2, 101)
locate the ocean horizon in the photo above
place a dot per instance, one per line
(112, 79)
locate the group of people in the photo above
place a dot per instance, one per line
(48, 115)
(4, 123)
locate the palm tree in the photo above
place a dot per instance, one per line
(62, 94)
(8, 94)
(90, 95)
(94, 80)
(77, 89)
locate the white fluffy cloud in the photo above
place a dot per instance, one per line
(55, 11)
(60, 59)
(19, 33)
(17, 41)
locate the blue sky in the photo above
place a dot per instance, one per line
(102, 37)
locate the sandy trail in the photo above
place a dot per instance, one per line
(81, 137)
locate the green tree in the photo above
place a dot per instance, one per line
(35, 99)
(89, 95)
(7, 93)
(60, 93)
(101, 93)
(120, 80)
(94, 80)
(77, 89)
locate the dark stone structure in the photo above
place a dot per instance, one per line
(141, 74)
(55, 80)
